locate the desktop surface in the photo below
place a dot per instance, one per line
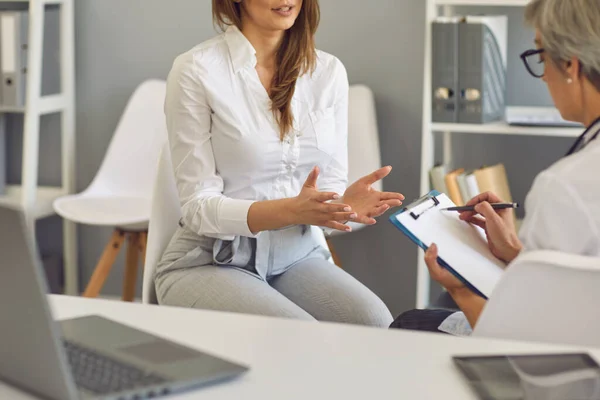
(298, 360)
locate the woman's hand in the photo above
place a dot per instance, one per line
(441, 275)
(369, 203)
(311, 207)
(470, 303)
(499, 226)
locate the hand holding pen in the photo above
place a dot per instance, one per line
(497, 219)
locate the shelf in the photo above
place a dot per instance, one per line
(9, 3)
(45, 199)
(48, 104)
(53, 103)
(502, 128)
(38, 201)
(435, 9)
(505, 3)
(12, 110)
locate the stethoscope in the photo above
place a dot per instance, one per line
(579, 143)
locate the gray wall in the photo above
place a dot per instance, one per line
(122, 42)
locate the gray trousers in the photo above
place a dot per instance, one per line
(311, 289)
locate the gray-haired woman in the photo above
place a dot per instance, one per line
(563, 206)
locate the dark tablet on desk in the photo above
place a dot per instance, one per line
(532, 377)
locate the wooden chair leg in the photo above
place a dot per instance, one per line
(131, 266)
(334, 255)
(143, 243)
(105, 264)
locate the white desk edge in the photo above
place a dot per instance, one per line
(306, 360)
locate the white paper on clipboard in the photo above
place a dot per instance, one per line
(462, 246)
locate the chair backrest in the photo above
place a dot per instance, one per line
(164, 217)
(364, 155)
(129, 164)
(546, 296)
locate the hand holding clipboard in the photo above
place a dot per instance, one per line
(463, 247)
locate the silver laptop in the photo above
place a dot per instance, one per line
(83, 358)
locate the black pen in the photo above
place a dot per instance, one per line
(495, 206)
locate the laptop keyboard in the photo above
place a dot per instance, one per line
(102, 375)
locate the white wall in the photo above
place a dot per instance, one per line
(122, 42)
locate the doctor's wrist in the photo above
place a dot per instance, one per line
(514, 250)
(460, 293)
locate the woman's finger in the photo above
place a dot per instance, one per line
(391, 196)
(379, 211)
(478, 221)
(376, 175)
(337, 226)
(435, 270)
(483, 197)
(390, 203)
(488, 212)
(487, 196)
(341, 216)
(311, 180)
(326, 196)
(334, 207)
(365, 220)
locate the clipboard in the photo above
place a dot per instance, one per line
(463, 247)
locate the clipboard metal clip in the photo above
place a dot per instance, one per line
(418, 210)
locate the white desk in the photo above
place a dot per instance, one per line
(305, 360)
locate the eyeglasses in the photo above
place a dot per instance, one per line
(534, 62)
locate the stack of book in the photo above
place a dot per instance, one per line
(462, 185)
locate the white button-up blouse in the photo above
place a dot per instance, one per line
(225, 143)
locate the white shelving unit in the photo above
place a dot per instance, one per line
(436, 8)
(36, 201)
(508, 3)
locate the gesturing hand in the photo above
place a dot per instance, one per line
(310, 207)
(369, 203)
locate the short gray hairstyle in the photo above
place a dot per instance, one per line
(569, 28)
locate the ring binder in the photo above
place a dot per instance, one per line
(14, 26)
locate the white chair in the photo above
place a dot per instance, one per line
(120, 193)
(164, 218)
(546, 296)
(364, 154)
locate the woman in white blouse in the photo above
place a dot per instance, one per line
(257, 121)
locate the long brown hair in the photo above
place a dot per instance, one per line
(296, 55)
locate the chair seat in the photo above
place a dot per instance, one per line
(116, 211)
